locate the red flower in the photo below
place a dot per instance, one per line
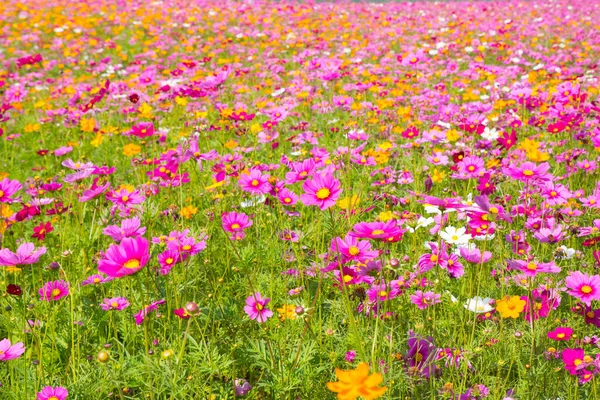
(40, 231)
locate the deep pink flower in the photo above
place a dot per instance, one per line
(96, 279)
(94, 191)
(573, 359)
(287, 197)
(256, 308)
(142, 129)
(126, 258)
(53, 393)
(321, 191)
(255, 182)
(532, 268)
(167, 259)
(235, 222)
(10, 351)
(560, 333)
(352, 250)
(529, 171)
(54, 290)
(584, 287)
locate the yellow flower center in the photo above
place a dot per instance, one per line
(287, 200)
(169, 261)
(383, 293)
(590, 314)
(471, 168)
(528, 172)
(114, 304)
(55, 292)
(354, 251)
(531, 266)
(586, 289)
(53, 398)
(587, 359)
(259, 306)
(125, 198)
(323, 193)
(255, 182)
(132, 264)
(235, 226)
(347, 278)
(433, 258)
(494, 210)
(560, 335)
(577, 362)
(96, 280)
(186, 247)
(377, 232)
(454, 237)
(1, 193)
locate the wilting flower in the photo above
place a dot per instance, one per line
(126, 258)
(10, 351)
(355, 383)
(256, 307)
(510, 306)
(54, 290)
(143, 313)
(53, 393)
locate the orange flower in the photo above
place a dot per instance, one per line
(357, 382)
(510, 306)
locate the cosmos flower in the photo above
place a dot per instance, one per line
(256, 308)
(425, 299)
(114, 303)
(583, 286)
(130, 228)
(479, 305)
(52, 393)
(143, 313)
(321, 191)
(10, 351)
(356, 383)
(126, 258)
(8, 187)
(54, 290)
(255, 183)
(26, 254)
(560, 333)
(510, 306)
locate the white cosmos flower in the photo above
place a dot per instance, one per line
(422, 222)
(479, 305)
(455, 236)
(490, 134)
(567, 252)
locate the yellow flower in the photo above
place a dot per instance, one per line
(131, 149)
(145, 111)
(510, 306)
(287, 311)
(438, 176)
(357, 382)
(386, 216)
(452, 135)
(87, 125)
(348, 203)
(188, 212)
(231, 144)
(97, 140)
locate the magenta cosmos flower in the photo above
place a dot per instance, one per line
(143, 313)
(255, 182)
(7, 189)
(424, 300)
(235, 222)
(51, 393)
(560, 333)
(321, 191)
(54, 290)
(351, 249)
(129, 228)
(533, 268)
(256, 308)
(126, 258)
(94, 191)
(115, 303)
(26, 254)
(584, 287)
(10, 351)
(528, 171)
(377, 230)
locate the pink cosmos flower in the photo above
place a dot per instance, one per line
(129, 228)
(235, 222)
(8, 188)
(54, 290)
(533, 268)
(321, 191)
(123, 199)
(379, 293)
(470, 167)
(51, 393)
(115, 303)
(26, 254)
(529, 171)
(584, 287)
(377, 230)
(256, 308)
(126, 258)
(424, 300)
(474, 255)
(167, 259)
(255, 182)
(560, 333)
(142, 130)
(10, 351)
(287, 197)
(352, 250)
(94, 191)
(143, 313)
(96, 279)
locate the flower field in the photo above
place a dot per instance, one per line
(284, 200)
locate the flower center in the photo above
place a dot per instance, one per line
(114, 304)
(587, 359)
(377, 232)
(186, 247)
(354, 251)
(560, 335)
(454, 237)
(255, 182)
(590, 314)
(132, 264)
(96, 280)
(235, 226)
(587, 289)
(347, 278)
(55, 292)
(528, 172)
(471, 168)
(433, 258)
(53, 398)
(323, 193)
(287, 200)
(383, 293)
(577, 362)
(259, 306)
(1, 193)
(531, 266)
(125, 198)
(169, 261)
